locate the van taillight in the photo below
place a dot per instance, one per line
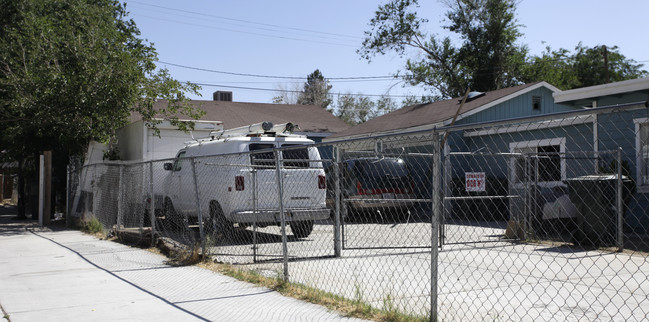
(322, 182)
(239, 183)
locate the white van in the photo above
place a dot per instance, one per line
(238, 183)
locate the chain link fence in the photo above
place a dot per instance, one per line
(540, 218)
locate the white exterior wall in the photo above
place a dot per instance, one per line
(95, 152)
(129, 141)
(137, 142)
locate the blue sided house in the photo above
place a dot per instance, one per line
(531, 139)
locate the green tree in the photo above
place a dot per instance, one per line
(585, 67)
(316, 91)
(552, 67)
(356, 109)
(73, 71)
(602, 64)
(487, 59)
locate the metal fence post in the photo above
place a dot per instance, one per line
(620, 205)
(280, 192)
(534, 221)
(337, 203)
(201, 230)
(67, 194)
(437, 212)
(528, 198)
(152, 201)
(94, 185)
(120, 197)
(447, 207)
(255, 201)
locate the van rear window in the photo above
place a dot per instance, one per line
(266, 158)
(299, 156)
(293, 158)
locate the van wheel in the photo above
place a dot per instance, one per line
(173, 218)
(146, 221)
(219, 224)
(302, 229)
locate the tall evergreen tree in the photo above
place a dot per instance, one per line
(316, 91)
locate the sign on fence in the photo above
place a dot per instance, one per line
(474, 181)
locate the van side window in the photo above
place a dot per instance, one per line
(299, 155)
(264, 159)
(178, 163)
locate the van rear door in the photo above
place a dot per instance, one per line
(262, 159)
(300, 178)
(303, 181)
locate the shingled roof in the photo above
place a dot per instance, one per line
(414, 116)
(310, 118)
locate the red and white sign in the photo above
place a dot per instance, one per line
(474, 181)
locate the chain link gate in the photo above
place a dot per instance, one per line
(562, 210)
(477, 197)
(385, 194)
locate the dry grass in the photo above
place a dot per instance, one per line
(347, 307)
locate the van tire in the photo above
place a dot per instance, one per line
(220, 224)
(302, 229)
(173, 218)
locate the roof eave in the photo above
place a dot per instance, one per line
(592, 92)
(503, 99)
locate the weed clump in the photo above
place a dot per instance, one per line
(93, 226)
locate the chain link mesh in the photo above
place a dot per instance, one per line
(537, 219)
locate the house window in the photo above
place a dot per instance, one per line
(536, 102)
(642, 153)
(540, 161)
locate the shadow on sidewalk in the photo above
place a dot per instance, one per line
(10, 224)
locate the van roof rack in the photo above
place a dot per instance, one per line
(252, 130)
(258, 129)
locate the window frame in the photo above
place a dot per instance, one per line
(536, 102)
(516, 147)
(288, 156)
(267, 148)
(642, 171)
(178, 162)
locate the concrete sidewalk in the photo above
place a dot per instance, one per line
(65, 275)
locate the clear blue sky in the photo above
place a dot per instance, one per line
(293, 38)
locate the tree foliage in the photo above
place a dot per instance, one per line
(585, 67)
(287, 93)
(315, 91)
(356, 109)
(73, 71)
(487, 59)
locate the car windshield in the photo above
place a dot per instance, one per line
(384, 168)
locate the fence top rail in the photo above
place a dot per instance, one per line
(524, 119)
(549, 116)
(567, 155)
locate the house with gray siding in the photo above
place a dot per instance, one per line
(535, 133)
(625, 128)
